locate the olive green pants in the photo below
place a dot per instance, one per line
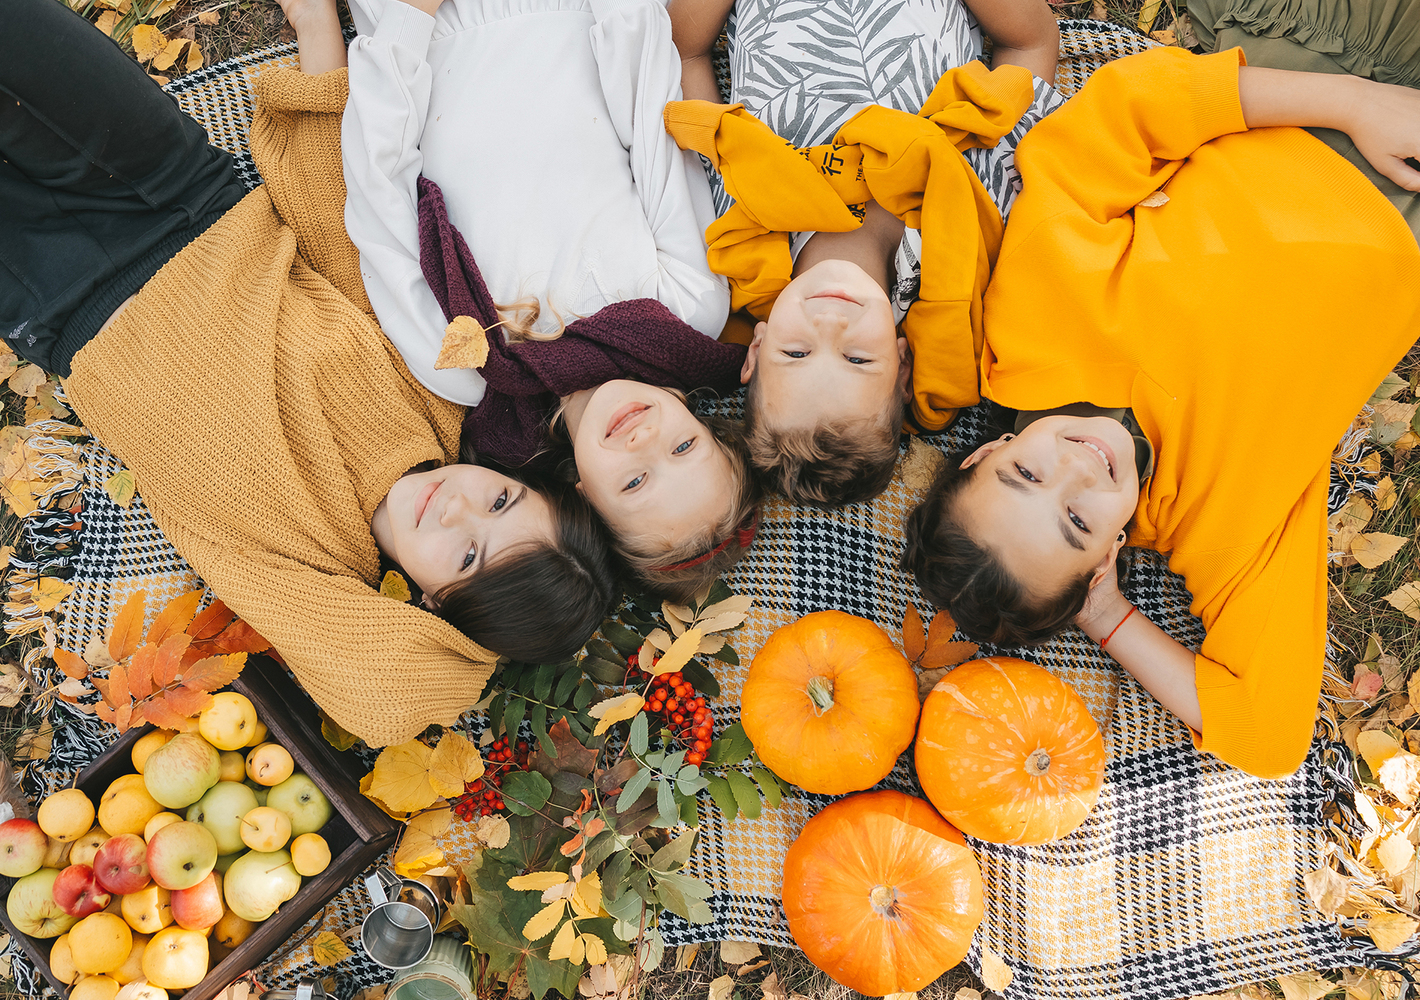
(1377, 39)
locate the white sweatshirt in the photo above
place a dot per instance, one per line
(541, 122)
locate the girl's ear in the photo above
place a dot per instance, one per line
(752, 357)
(1106, 566)
(429, 603)
(984, 450)
(904, 370)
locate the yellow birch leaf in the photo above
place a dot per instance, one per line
(995, 974)
(685, 957)
(194, 57)
(1377, 746)
(148, 42)
(1406, 600)
(679, 654)
(48, 591)
(9, 361)
(1326, 889)
(738, 952)
(721, 988)
(162, 7)
(121, 487)
(164, 60)
(967, 993)
(465, 345)
(328, 949)
(209, 17)
(1356, 514)
(1386, 493)
(401, 777)
(541, 923)
(159, 79)
(1395, 853)
(27, 380)
(35, 744)
(394, 586)
(454, 763)
(620, 708)
(1373, 549)
(1400, 775)
(596, 949)
(492, 831)
(1304, 986)
(1390, 930)
(536, 881)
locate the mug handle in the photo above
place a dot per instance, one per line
(381, 883)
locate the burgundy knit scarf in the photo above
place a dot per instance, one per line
(638, 339)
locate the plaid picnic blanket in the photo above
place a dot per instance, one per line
(1185, 879)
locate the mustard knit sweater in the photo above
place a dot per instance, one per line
(265, 416)
(1246, 317)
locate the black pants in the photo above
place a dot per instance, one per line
(102, 180)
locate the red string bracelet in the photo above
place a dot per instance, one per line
(1105, 641)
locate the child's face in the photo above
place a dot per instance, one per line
(646, 464)
(829, 351)
(1051, 501)
(446, 524)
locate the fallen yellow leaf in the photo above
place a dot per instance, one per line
(721, 988)
(542, 923)
(492, 831)
(1390, 930)
(401, 777)
(618, 709)
(107, 21)
(209, 17)
(1373, 549)
(27, 380)
(738, 952)
(1406, 600)
(165, 59)
(537, 881)
(1400, 775)
(1395, 853)
(995, 974)
(328, 949)
(395, 587)
(1326, 889)
(1386, 493)
(48, 591)
(1304, 986)
(679, 653)
(454, 763)
(121, 487)
(1377, 746)
(148, 42)
(194, 58)
(465, 345)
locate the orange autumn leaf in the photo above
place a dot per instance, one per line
(238, 637)
(948, 654)
(912, 642)
(117, 693)
(103, 712)
(128, 626)
(210, 621)
(176, 617)
(72, 664)
(167, 664)
(187, 701)
(156, 711)
(123, 717)
(214, 672)
(941, 630)
(140, 671)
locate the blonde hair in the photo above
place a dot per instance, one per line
(519, 319)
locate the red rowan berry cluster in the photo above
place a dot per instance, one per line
(483, 796)
(674, 699)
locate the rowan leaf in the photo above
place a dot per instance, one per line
(1375, 548)
(401, 777)
(118, 693)
(542, 923)
(168, 660)
(187, 701)
(156, 711)
(74, 666)
(214, 672)
(128, 626)
(465, 345)
(238, 637)
(618, 709)
(327, 948)
(454, 763)
(121, 488)
(140, 670)
(395, 587)
(104, 713)
(210, 621)
(48, 591)
(561, 949)
(679, 653)
(537, 881)
(914, 643)
(148, 42)
(123, 717)
(176, 617)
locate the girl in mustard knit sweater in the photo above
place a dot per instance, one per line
(233, 365)
(1174, 267)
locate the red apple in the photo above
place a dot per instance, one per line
(200, 906)
(121, 865)
(78, 892)
(22, 847)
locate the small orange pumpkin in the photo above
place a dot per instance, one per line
(882, 893)
(830, 703)
(1008, 752)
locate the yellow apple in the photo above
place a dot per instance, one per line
(158, 822)
(132, 967)
(126, 806)
(148, 910)
(269, 764)
(66, 815)
(310, 854)
(259, 736)
(61, 961)
(229, 723)
(233, 765)
(232, 930)
(99, 943)
(266, 829)
(84, 849)
(141, 989)
(175, 959)
(59, 853)
(94, 988)
(146, 744)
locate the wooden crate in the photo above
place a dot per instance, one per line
(358, 832)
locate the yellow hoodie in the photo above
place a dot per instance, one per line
(1246, 314)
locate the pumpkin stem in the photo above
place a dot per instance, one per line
(1037, 763)
(821, 693)
(883, 899)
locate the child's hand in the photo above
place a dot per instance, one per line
(1387, 131)
(304, 13)
(318, 37)
(1105, 605)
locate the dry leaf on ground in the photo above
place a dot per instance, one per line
(1326, 888)
(1375, 548)
(1377, 746)
(1390, 930)
(996, 975)
(1400, 775)
(685, 957)
(1386, 494)
(1366, 683)
(967, 993)
(738, 952)
(27, 380)
(721, 988)
(1304, 986)
(120, 487)
(772, 989)
(148, 42)
(1406, 600)
(1395, 853)
(328, 949)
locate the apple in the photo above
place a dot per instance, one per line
(95, 988)
(132, 967)
(224, 861)
(158, 822)
(229, 722)
(233, 765)
(143, 990)
(146, 744)
(180, 771)
(23, 846)
(99, 943)
(59, 853)
(258, 882)
(302, 802)
(266, 829)
(269, 764)
(32, 908)
(78, 893)
(258, 735)
(66, 815)
(148, 910)
(221, 811)
(61, 961)
(121, 866)
(200, 906)
(232, 930)
(310, 854)
(181, 855)
(126, 806)
(261, 791)
(176, 958)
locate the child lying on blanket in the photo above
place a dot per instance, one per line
(828, 375)
(1173, 266)
(276, 437)
(572, 221)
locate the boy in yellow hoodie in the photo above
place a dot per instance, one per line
(825, 248)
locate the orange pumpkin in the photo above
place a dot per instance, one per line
(830, 703)
(1008, 752)
(882, 893)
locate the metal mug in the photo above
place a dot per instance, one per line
(306, 989)
(399, 931)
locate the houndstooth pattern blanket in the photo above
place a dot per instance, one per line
(1185, 879)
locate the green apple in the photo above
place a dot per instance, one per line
(32, 908)
(181, 855)
(224, 861)
(257, 883)
(260, 791)
(300, 799)
(221, 811)
(180, 771)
